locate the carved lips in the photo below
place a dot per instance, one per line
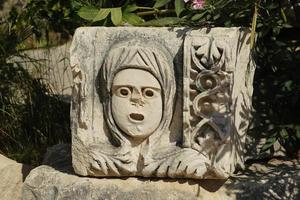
(136, 117)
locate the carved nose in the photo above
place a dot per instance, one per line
(136, 95)
(137, 116)
(137, 98)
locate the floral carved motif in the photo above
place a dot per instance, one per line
(207, 93)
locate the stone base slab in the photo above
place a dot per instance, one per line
(47, 183)
(276, 179)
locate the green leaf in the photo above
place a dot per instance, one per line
(179, 6)
(283, 15)
(284, 134)
(132, 18)
(167, 21)
(130, 8)
(253, 29)
(269, 143)
(88, 12)
(102, 14)
(288, 85)
(272, 6)
(199, 16)
(298, 133)
(116, 16)
(217, 16)
(160, 3)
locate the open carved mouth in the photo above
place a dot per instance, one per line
(136, 117)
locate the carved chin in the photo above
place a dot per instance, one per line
(136, 128)
(137, 131)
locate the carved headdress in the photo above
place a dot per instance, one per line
(138, 55)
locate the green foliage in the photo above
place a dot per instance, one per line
(161, 3)
(10, 38)
(116, 16)
(31, 116)
(49, 16)
(277, 83)
(129, 13)
(179, 7)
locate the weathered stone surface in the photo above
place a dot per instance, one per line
(12, 175)
(46, 183)
(277, 179)
(160, 102)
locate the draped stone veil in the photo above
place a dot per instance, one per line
(151, 58)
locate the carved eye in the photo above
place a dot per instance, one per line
(148, 93)
(123, 92)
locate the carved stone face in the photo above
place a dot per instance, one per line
(136, 102)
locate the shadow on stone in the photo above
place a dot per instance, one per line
(59, 158)
(274, 179)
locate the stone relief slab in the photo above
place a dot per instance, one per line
(160, 102)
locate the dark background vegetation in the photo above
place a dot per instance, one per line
(32, 117)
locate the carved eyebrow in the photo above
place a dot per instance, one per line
(114, 87)
(124, 85)
(153, 88)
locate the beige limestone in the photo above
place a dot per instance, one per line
(137, 96)
(160, 102)
(12, 176)
(277, 179)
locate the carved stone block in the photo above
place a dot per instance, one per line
(160, 102)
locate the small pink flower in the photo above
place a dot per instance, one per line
(198, 4)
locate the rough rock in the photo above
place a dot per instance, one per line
(12, 176)
(46, 183)
(277, 179)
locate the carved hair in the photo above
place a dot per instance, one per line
(136, 55)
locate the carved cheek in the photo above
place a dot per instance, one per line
(153, 108)
(120, 109)
(121, 103)
(154, 103)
